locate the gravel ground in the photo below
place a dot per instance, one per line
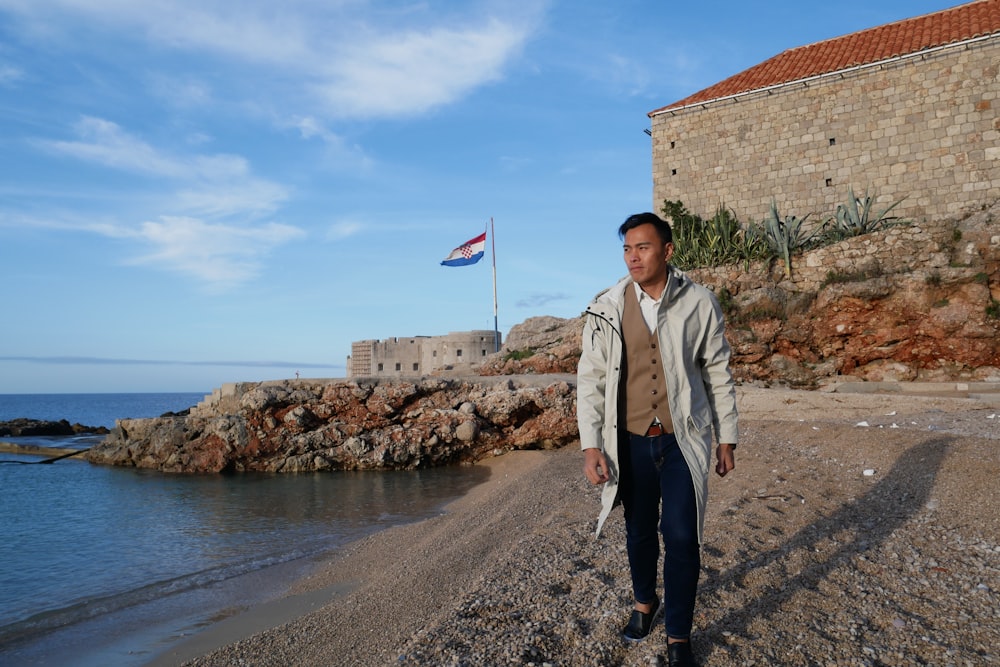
(855, 530)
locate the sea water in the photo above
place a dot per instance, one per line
(102, 565)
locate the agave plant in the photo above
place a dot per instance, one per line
(858, 217)
(783, 236)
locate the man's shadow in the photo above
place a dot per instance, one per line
(870, 520)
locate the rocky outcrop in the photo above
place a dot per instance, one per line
(912, 303)
(538, 345)
(296, 426)
(33, 427)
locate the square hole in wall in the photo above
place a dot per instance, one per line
(833, 141)
(829, 182)
(672, 144)
(673, 172)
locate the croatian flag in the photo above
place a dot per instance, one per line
(469, 252)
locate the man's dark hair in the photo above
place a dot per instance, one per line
(633, 221)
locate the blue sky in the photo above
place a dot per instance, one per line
(200, 192)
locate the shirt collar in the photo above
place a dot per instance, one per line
(642, 296)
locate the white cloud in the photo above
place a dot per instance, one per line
(339, 154)
(309, 127)
(416, 71)
(211, 189)
(357, 60)
(215, 185)
(252, 196)
(222, 256)
(343, 230)
(106, 143)
(256, 31)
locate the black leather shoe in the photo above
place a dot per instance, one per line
(640, 624)
(679, 655)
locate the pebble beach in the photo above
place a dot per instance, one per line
(855, 530)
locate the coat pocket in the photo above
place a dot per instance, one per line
(698, 427)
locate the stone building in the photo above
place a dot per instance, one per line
(421, 355)
(907, 111)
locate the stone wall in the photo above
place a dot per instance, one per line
(924, 129)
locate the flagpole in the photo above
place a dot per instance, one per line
(496, 328)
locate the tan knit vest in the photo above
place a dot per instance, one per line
(645, 388)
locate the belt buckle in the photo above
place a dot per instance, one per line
(654, 430)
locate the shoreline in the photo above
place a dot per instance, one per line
(356, 584)
(514, 562)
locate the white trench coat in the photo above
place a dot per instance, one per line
(700, 388)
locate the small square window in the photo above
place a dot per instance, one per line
(833, 141)
(398, 367)
(416, 366)
(484, 353)
(380, 367)
(458, 353)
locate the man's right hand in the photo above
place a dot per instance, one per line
(595, 466)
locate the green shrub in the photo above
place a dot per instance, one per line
(718, 241)
(993, 309)
(517, 355)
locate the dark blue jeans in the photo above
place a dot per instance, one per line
(656, 472)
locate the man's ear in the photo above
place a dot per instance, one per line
(668, 252)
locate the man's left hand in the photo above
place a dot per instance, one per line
(725, 459)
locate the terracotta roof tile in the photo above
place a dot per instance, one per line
(906, 37)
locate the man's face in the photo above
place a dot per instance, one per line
(646, 255)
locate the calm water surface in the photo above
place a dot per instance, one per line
(110, 565)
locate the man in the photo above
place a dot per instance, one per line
(653, 383)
